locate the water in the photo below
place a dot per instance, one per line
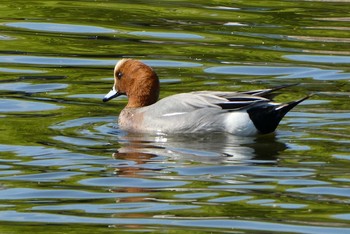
(66, 167)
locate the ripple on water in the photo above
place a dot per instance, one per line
(58, 61)
(60, 28)
(342, 216)
(167, 35)
(161, 80)
(113, 208)
(77, 141)
(280, 72)
(231, 199)
(301, 182)
(244, 170)
(32, 88)
(226, 8)
(319, 58)
(237, 24)
(5, 38)
(16, 216)
(132, 182)
(170, 63)
(20, 71)
(28, 193)
(195, 195)
(87, 95)
(13, 105)
(64, 61)
(343, 157)
(81, 121)
(43, 177)
(64, 159)
(323, 190)
(285, 205)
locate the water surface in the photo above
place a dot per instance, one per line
(66, 167)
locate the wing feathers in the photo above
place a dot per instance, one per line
(231, 105)
(267, 92)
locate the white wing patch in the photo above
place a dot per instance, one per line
(239, 123)
(175, 113)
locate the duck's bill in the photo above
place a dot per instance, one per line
(112, 94)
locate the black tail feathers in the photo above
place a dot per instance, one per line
(266, 116)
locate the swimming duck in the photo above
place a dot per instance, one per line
(240, 113)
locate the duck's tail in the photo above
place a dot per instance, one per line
(267, 116)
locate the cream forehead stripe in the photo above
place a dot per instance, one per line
(119, 64)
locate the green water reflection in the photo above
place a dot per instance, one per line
(67, 168)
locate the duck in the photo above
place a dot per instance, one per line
(241, 113)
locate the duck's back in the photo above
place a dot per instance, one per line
(190, 112)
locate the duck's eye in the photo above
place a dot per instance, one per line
(119, 75)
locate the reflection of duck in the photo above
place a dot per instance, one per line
(245, 113)
(209, 148)
(155, 156)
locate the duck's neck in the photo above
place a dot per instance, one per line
(137, 101)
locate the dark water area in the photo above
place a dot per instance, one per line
(66, 167)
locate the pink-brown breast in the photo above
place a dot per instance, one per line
(130, 119)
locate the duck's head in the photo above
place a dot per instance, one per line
(137, 81)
